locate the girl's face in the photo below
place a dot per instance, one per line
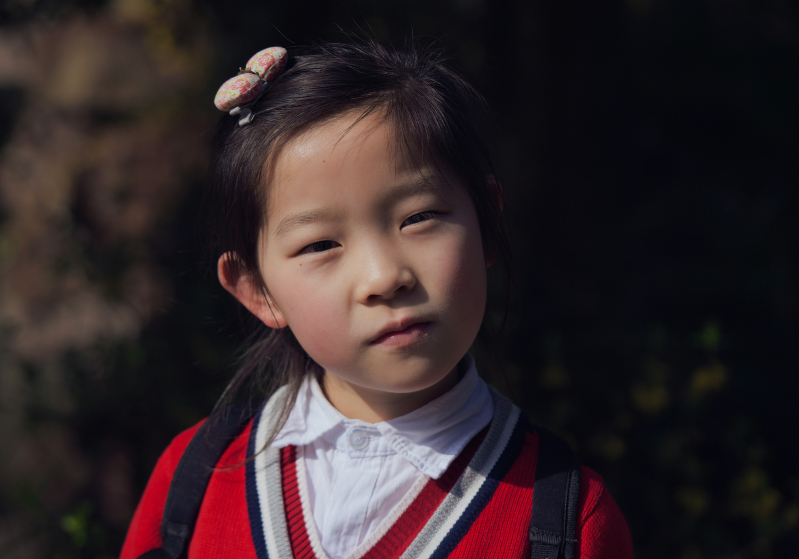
(375, 264)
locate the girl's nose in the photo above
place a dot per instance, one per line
(383, 275)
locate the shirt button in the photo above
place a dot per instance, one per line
(358, 439)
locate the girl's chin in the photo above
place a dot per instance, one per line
(400, 383)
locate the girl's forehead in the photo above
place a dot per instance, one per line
(352, 165)
(366, 146)
(345, 135)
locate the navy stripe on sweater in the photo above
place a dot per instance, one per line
(479, 502)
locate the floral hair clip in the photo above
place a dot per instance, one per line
(250, 84)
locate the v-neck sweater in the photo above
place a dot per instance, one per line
(252, 508)
(354, 473)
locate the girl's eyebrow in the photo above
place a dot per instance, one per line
(422, 184)
(295, 220)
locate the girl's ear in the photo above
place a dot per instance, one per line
(496, 193)
(247, 290)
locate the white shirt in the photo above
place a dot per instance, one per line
(357, 472)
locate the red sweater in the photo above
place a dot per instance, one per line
(494, 523)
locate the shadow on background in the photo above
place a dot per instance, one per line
(648, 151)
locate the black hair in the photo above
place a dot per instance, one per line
(434, 113)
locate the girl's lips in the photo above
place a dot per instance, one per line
(405, 337)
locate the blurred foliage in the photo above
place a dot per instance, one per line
(648, 152)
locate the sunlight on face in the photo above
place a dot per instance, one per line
(376, 265)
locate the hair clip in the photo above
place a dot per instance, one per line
(246, 88)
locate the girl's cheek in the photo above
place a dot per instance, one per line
(319, 325)
(459, 267)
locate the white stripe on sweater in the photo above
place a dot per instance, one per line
(506, 415)
(268, 482)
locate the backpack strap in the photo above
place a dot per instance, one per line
(192, 475)
(555, 493)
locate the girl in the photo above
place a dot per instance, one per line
(356, 214)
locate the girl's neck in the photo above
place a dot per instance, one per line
(374, 406)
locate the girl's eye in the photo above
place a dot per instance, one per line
(319, 246)
(418, 218)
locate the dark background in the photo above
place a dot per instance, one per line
(648, 152)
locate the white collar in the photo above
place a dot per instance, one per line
(429, 437)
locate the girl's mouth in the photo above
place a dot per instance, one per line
(404, 337)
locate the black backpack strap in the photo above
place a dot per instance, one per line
(555, 494)
(192, 475)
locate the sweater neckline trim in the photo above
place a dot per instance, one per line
(448, 505)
